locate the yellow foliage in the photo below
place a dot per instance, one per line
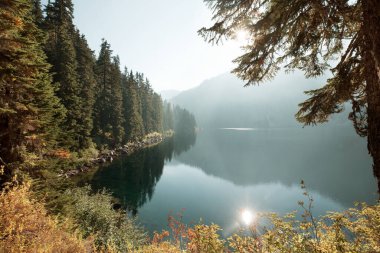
(163, 247)
(25, 226)
(204, 238)
(61, 153)
(356, 230)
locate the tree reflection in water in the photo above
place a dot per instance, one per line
(132, 179)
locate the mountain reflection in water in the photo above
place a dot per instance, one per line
(224, 171)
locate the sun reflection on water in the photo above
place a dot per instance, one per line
(247, 216)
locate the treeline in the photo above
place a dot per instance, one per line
(56, 94)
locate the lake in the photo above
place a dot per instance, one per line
(215, 175)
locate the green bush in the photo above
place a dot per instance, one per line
(94, 215)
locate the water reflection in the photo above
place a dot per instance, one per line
(133, 178)
(217, 200)
(247, 216)
(332, 161)
(226, 171)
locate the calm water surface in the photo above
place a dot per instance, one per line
(222, 171)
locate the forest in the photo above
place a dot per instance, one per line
(57, 96)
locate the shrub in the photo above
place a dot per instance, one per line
(354, 230)
(94, 215)
(204, 238)
(152, 135)
(25, 226)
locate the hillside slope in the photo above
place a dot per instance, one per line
(224, 102)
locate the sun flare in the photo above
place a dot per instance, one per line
(247, 216)
(241, 36)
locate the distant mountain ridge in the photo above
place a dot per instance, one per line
(224, 102)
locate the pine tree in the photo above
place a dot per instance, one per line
(69, 88)
(30, 113)
(117, 120)
(133, 123)
(102, 128)
(168, 123)
(307, 35)
(140, 95)
(62, 55)
(87, 83)
(184, 122)
(146, 96)
(58, 14)
(157, 113)
(108, 121)
(37, 13)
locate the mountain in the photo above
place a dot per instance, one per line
(223, 102)
(169, 94)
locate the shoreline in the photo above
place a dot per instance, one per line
(109, 155)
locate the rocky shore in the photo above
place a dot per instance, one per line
(109, 155)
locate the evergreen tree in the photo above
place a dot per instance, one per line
(69, 88)
(30, 113)
(133, 123)
(61, 12)
(37, 13)
(59, 15)
(62, 55)
(184, 122)
(144, 101)
(117, 120)
(146, 96)
(102, 128)
(148, 102)
(307, 35)
(157, 113)
(87, 83)
(140, 96)
(168, 123)
(108, 127)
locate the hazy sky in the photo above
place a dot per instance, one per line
(158, 38)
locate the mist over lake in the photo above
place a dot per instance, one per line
(228, 169)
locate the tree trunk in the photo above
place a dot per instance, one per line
(371, 57)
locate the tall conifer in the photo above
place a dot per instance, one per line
(117, 120)
(108, 127)
(29, 111)
(62, 55)
(133, 124)
(157, 113)
(87, 84)
(102, 128)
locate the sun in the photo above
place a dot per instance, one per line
(241, 36)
